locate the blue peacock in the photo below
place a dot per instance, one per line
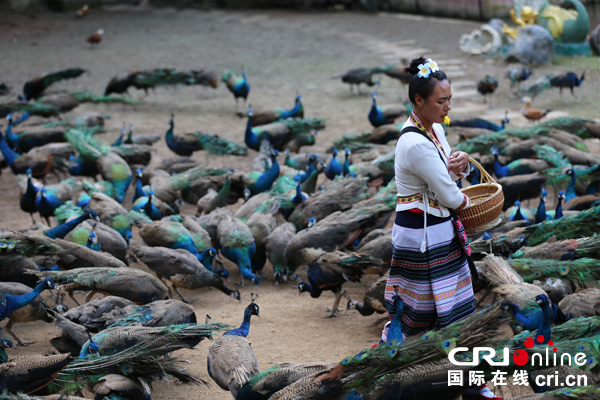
(334, 168)
(237, 85)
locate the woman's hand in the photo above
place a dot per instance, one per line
(458, 162)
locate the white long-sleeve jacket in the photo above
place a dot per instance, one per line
(420, 172)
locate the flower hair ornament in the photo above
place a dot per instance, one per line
(428, 68)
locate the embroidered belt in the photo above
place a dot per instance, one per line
(416, 197)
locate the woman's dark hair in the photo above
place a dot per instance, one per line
(422, 86)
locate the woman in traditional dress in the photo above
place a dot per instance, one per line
(429, 266)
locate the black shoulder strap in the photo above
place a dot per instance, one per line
(417, 130)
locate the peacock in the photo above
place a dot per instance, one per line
(237, 85)
(356, 76)
(139, 191)
(481, 123)
(281, 134)
(275, 248)
(62, 230)
(178, 232)
(487, 86)
(584, 303)
(40, 164)
(181, 268)
(162, 339)
(261, 225)
(373, 300)
(346, 168)
(330, 271)
(118, 386)
(340, 195)
(379, 116)
(265, 384)
(264, 117)
(13, 302)
(266, 180)
(363, 371)
(130, 283)
(157, 313)
(518, 213)
(50, 198)
(337, 230)
(231, 361)
(238, 246)
(34, 88)
(517, 167)
(150, 79)
(517, 74)
(540, 214)
(334, 168)
(188, 143)
(146, 205)
(568, 80)
(111, 166)
(91, 315)
(5, 343)
(31, 311)
(29, 374)
(34, 137)
(27, 201)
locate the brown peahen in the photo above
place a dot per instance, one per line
(337, 230)
(181, 268)
(110, 240)
(261, 225)
(130, 283)
(34, 311)
(274, 379)
(585, 303)
(119, 386)
(356, 76)
(162, 340)
(29, 374)
(340, 195)
(373, 300)
(231, 360)
(276, 243)
(88, 313)
(157, 313)
(331, 270)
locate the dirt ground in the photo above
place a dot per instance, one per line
(283, 52)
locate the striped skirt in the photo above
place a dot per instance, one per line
(435, 286)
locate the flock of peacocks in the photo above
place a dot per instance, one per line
(540, 262)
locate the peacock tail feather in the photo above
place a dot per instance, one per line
(186, 178)
(536, 87)
(70, 73)
(98, 187)
(83, 140)
(35, 108)
(584, 224)
(577, 271)
(552, 156)
(362, 371)
(218, 145)
(86, 96)
(66, 211)
(301, 125)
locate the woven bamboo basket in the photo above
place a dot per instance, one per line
(487, 200)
